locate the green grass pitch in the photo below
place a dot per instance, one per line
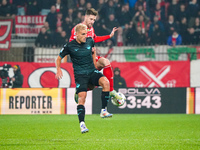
(122, 132)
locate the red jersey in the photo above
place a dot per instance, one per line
(90, 33)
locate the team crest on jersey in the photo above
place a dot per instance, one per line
(88, 47)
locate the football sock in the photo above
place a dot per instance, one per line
(108, 72)
(105, 96)
(81, 112)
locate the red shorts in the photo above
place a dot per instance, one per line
(97, 58)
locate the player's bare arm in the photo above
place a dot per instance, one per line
(94, 56)
(59, 73)
(113, 32)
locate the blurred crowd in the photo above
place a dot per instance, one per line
(140, 22)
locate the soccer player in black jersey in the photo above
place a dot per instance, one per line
(85, 73)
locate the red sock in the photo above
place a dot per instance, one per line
(108, 72)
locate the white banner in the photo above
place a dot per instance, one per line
(72, 106)
(31, 101)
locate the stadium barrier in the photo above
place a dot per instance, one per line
(29, 53)
(61, 101)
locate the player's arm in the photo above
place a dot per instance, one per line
(59, 73)
(106, 37)
(72, 37)
(62, 54)
(94, 56)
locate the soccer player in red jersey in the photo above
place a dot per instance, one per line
(102, 63)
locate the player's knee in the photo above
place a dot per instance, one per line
(104, 61)
(81, 98)
(105, 83)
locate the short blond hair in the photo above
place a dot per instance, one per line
(80, 27)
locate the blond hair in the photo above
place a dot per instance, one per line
(80, 27)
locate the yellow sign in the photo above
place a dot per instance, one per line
(32, 101)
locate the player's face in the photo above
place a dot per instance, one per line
(89, 20)
(81, 36)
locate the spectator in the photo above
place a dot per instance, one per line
(124, 16)
(197, 30)
(127, 34)
(67, 26)
(88, 5)
(18, 77)
(173, 9)
(100, 7)
(99, 30)
(110, 24)
(142, 22)
(20, 4)
(131, 3)
(43, 39)
(78, 18)
(108, 9)
(170, 26)
(57, 35)
(58, 5)
(160, 12)
(82, 6)
(59, 19)
(174, 39)
(13, 10)
(52, 18)
(157, 35)
(46, 25)
(71, 15)
(157, 22)
(119, 81)
(120, 40)
(71, 3)
(61, 39)
(193, 9)
(64, 8)
(5, 9)
(183, 30)
(181, 13)
(191, 36)
(45, 6)
(32, 8)
(136, 37)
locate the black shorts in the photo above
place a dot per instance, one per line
(83, 80)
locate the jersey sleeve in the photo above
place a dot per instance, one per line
(72, 37)
(64, 51)
(101, 38)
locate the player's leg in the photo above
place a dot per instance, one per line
(105, 96)
(90, 87)
(97, 79)
(104, 64)
(81, 111)
(81, 88)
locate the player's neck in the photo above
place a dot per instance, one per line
(85, 23)
(78, 41)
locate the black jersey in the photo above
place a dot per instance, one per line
(81, 55)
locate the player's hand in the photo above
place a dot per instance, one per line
(113, 32)
(59, 74)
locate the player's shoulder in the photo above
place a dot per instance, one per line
(90, 39)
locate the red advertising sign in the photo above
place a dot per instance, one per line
(29, 26)
(5, 34)
(155, 73)
(42, 75)
(136, 74)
